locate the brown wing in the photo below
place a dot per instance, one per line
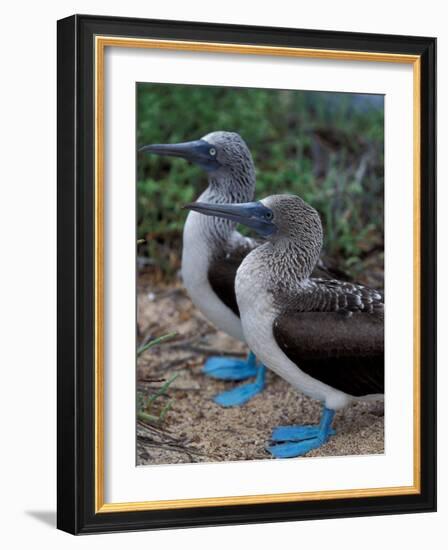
(222, 273)
(347, 353)
(335, 333)
(330, 295)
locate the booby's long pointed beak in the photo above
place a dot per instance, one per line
(251, 214)
(188, 150)
(199, 151)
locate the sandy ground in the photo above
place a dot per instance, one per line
(195, 429)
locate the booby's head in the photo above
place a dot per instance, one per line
(279, 218)
(215, 152)
(294, 219)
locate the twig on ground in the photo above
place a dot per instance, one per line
(167, 365)
(162, 439)
(170, 447)
(192, 339)
(201, 350)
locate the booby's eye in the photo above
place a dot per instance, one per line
(269, 215)
(212, 151)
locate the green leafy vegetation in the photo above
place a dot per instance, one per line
(325, 147)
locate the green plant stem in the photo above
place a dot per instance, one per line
(156, 341)
(145, 417)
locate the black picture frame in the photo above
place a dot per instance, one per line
(76, 253)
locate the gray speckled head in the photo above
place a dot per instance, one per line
(235, 177)
(230, 147)
(294, 218)
(299, 235)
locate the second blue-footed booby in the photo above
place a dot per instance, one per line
(323, 336)
(213, 250)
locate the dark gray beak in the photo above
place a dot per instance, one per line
(187, 150)
(251, 214)
(194, 151)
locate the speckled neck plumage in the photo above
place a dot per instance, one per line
(284, 266)
(226, 187)
(288, 259)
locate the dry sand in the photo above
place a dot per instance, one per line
(196, 429)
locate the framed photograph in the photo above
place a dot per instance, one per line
(246, 274)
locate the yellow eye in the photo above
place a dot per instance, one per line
(212, 151)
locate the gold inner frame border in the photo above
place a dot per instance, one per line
(100, 44)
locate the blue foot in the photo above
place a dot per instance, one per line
(230, 368)
(299, 440)
(296, 433)
(242, 394)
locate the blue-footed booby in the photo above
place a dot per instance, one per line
(323, 336)
(213, 250)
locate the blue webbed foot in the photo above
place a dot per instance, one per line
(293, 449)
(299, 440)
(296, 433)
(242, 394)
(230, 368)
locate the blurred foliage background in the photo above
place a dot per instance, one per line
(326, 147)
